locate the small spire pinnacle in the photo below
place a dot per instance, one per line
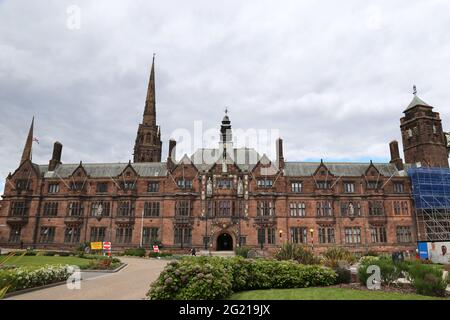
(226, 110)
(27, 150)
(414, 90)
(150, 105)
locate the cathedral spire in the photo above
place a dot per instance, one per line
(26, 155)
(148, 140)
(150, 101)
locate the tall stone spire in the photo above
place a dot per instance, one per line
(150, 101)
(27, 150)
(148, 143)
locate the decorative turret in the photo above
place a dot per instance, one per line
(226, 137)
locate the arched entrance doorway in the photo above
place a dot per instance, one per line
(224, 242)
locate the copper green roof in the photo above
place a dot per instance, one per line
(416, 101)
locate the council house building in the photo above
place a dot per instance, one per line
(220, 198)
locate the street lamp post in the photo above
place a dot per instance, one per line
(142, 229)
(311, 231)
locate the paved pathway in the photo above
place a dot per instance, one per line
(130, 283)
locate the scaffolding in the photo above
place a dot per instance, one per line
(431, 195)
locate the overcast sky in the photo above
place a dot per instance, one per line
(332, 76)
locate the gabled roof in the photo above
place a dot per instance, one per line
(416, 101)
(106, 170)
(244, 158)
(345, 169)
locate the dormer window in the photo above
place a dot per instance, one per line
(76, 186)
(23, 185)
(53, 188)
(224, 183)
(265, 183)
(399, 187)
(184, 183)
(372, 184)
(153, 186)
(323, 185)
(102, 187)
(127, 185)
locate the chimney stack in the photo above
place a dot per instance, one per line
(56, 156)
(172, 153)
(280, 157)
(395, 155)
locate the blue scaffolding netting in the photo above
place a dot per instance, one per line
(431, 195)
(430, 187)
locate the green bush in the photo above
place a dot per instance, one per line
(103, 264)
(335, 256)
(136, 252)
(23, 278)
(188, 279)
(344, 275)
(216, 278)
(49, 253)
(301, 254)
(389, 271)
(159, 254)
(427, 279)
(30, 253)
(242, 251)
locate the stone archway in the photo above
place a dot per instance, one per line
(224, 242)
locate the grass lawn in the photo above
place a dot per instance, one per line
(39, 261)
(324, 294)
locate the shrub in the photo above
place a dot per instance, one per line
(344, 275)
(159, 254)
(63, 253)
(137, 252)
(301, 254)
(102, 264)
(335, 257)
(49, 253)
(186, 279)
(389, 271)
(30, 253)
(427, 279)
(371, 254)
(217, 278)
(242, 251)
(23, 278)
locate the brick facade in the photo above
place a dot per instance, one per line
(193, 203)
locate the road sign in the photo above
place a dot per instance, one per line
(107, 246)
(155, 249)
(96, 245)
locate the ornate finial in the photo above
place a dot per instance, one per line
(414, 90)
(154, 54)
(226, 110)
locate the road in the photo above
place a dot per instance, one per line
(130, 283)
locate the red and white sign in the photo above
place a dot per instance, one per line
(155, 249)
(107, 246)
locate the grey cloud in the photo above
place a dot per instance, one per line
(331, 76)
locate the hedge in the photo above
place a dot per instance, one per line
(23, 278)
(208, 278)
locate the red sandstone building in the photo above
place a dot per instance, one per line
(220, 198)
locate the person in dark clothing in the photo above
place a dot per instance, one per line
(193, 252)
